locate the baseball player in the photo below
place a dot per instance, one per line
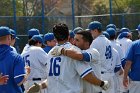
(35, 57)
(125, 42)
(11, 64)
(64, 73)
(119, 74)
(31, 33)
(108, 55)
(83, 39)
(77, 29)
(71, 38)
(13, 39)
(50, 42)
(131, 77)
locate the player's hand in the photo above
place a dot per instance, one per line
(57, 50)
(106, 85)
(3, 79)
(126, 82)
(35, 88)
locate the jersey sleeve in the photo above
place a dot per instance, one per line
(42, 56)
(82, 68)
(129, 54)
(19, 69)
(92, 54)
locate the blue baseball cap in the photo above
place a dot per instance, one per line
(72, 34)
(95, 25)
(4, 31)
(124, 29)
(13, 33)
(77, 29)
(106, 34)
(138, 28)
(48, 37)
(123, 34)
(33, 32)
(111, 31)
(111, 26)
(37, 38)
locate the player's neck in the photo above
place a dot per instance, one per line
(62, 42)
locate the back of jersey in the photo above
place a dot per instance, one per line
(35, 57)
(103, 45)
(64, 73)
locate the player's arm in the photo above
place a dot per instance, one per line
(58, 50)
(91, 78)
(20, 71)
(126, 70)
(37, 87)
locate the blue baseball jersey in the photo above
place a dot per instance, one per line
(133, 55)
(47, 49)
(11, 64)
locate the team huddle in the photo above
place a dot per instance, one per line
(80, 61)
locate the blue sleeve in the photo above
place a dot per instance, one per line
(19, 69)
(130, 54)
(86, 57)
(117, 69)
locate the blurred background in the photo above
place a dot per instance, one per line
(22, 15)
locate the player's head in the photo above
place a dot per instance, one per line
(13, 37)
(32, 32)
(124, 29)
(36, 40)
(71, 38)
(49, 39)
(124, 35)
(5, 35)
(77, 29)
(95, 28)
(112, 33)
(106, 35)
(111, 26)
(61, 32)
(83, 39)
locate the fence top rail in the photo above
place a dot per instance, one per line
(123, 14)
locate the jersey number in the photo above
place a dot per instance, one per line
(108, 52)
(54, 67)
(26, 60)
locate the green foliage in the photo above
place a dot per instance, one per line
(6, 7)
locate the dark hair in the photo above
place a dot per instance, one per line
(61, 32)
(112, 37)
(32, 42)
(86, 36)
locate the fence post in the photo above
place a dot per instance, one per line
(14, 15)
(110, 4)
(43, 18)
(73, 14)
(123, 19)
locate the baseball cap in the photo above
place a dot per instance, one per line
(13, 33)
(124, 29)
(106, 34)
(72, 34)
(138, 28)
(95, 25)
(77, 29)
(37, 38)
(48, 37)
(33, 32)
(4, 31)
(123, 34)
(111, 31)
(111, 26)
